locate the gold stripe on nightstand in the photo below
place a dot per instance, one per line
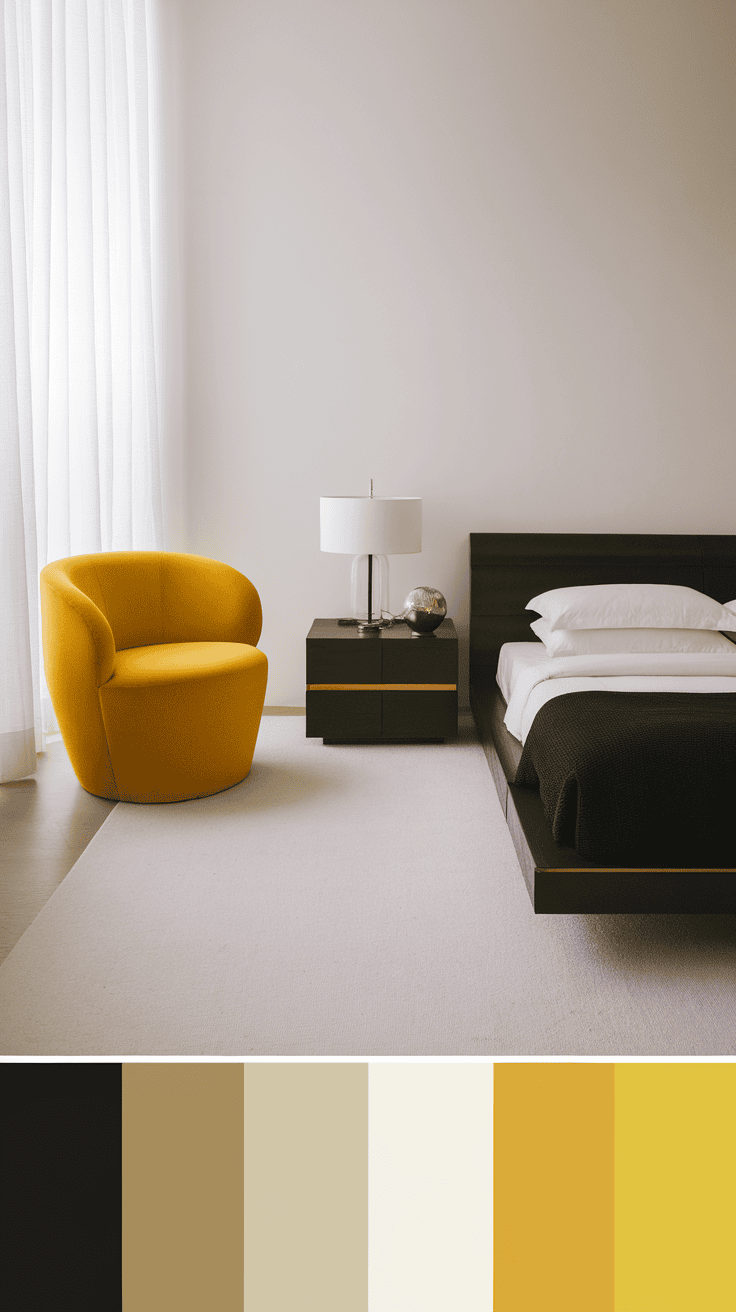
(381, 687)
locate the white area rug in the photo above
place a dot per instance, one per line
(348, 901)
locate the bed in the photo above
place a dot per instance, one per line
(506, 571)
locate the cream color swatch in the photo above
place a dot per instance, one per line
(430, 1169)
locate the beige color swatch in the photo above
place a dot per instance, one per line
(306, 1187)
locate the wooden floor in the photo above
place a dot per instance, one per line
(46, 821)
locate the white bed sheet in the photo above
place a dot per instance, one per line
(528, 677)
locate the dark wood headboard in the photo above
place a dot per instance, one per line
(508, 569)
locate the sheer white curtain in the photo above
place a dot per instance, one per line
(79, 315)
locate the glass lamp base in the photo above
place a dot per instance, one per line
(369, 588)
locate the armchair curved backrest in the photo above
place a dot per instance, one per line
(150, 597)
(93, 606)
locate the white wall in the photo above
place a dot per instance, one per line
(479, 250)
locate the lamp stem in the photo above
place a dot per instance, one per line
(370, 578)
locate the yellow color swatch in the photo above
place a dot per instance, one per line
(675, 1187)
(553, 1187)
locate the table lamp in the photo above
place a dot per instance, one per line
(370, 529)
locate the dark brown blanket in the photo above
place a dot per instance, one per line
(637, 777)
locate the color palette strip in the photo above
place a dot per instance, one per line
(355, 1187)
(613, 1187)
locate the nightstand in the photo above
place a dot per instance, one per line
(385, 686)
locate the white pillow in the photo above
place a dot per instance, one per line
(631, 606)
(588, 642)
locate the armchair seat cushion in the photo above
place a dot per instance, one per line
(179, 662)
(181, 719)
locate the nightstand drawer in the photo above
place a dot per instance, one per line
(419, 715)
(346, 715)
(420, 660)
(334, 661)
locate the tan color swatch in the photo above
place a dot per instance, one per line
(306, 1187)
(182, 1160)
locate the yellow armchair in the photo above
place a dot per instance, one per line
(153, 670)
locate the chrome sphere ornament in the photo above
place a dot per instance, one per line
(424, 610)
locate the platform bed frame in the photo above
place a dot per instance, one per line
(506, 569)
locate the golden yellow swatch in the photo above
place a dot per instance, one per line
(675, 1190)
(553, 1187)
(182, 1186)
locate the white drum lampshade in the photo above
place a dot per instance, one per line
(377, 526)
(370, 528)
